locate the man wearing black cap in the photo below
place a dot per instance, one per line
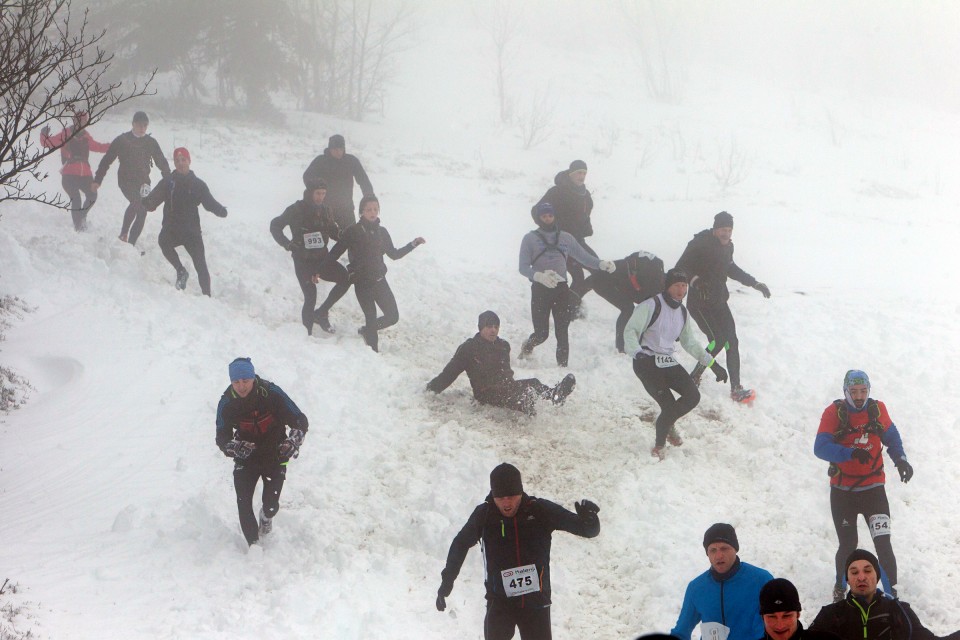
(708, 261)
(867, 613)
(573, 205)
(338, 169)
(650, 336)
(725, 598)
(780, 610)
(312, 227)
(515, 532)
(136, 150)
(486, 359)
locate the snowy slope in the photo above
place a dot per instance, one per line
(118, 510)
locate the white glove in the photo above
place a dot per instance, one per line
(550, 279)
(608, 266)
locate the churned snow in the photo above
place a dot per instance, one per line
(118, 511)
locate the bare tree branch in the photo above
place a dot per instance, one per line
(53, 67)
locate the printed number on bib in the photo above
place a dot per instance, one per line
(520, 580)
(144, 190)
(713, 631)
(879, 525)
(663, 362)
(313, 240)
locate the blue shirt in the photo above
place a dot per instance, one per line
(734, 603)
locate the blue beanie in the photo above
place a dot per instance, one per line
(241, 369)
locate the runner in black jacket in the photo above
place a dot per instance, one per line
(638, 276)
(867, 613)
(312, 227)
(573, 205)
(252, 418)
(708, 261)
(339, 169)
(486, 359)
(515, 532)
(367, 243)
(136, 150)
(182, 193)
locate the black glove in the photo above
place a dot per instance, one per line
(697, 373)
(862, 456)
(239, 449)
(585, 507)
(221, 214)
(441, 602)
(762, 288)
(290, 448)
(292, 246)
(45, 131)
(719, 372)
(906, 471)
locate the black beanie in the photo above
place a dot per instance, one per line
(674, 276)
(778, 595)
(720, 532)
(337, 142)
(577, 165)
(862, 554)
(722, 219)
(488, 318)
(505, 481)
(141, 116)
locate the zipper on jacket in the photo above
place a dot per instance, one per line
(864, 615)
(516, 537)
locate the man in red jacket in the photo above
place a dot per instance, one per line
(851, 437)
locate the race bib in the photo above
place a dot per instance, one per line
(313, 240)
(144, 190)
(520, 580)
(879, 524)
(714, 631)
(663, 362)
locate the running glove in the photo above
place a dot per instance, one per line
(906, 471)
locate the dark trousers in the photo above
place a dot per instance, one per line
(716, 321)
(519, 395)
(245, 478)
(331, 271)
(73, 185)
(371, 295)
(579, 283)
(660, 384)
(193, 243)
(135, 215)
(845, 506)
(502, 620)
(543, 302)
(604, 285)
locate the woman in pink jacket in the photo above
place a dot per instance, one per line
(75, 156)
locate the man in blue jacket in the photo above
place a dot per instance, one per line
(725, 598)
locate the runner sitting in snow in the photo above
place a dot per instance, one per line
(486, 359)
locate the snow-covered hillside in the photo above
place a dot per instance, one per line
(118, 511)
